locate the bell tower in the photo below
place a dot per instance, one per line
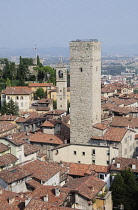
(61, 83)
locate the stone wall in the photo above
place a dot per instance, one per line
(85, 89)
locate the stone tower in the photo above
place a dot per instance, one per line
(61, 83)
(85, 85)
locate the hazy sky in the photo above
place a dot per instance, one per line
(54, 23)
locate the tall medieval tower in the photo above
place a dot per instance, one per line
(61, 83)
(85, 83)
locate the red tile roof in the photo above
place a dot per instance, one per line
(16, 138)
(3, 148)
(125, 163)
(30, 117)
(50, 191)
(125, 122)
(14, 174)
(112, 134)
(41, 170)
(8, 117)
(100, 126)
(17, 91)
(39, 204)
(6, 126)
(30, 149)
(40, 84)
(88, 186)
(40, 137)
(7, 159)
(49, 124)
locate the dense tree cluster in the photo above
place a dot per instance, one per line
(125, 190)
(16, 75)
(9, 108)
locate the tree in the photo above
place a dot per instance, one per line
(54, 104)
(118, 190)
(46, 73)
(9, 108)
(38, 62)
(8, 83)
(12, 108)
(4, 108)
(39, 93)
(125, 190)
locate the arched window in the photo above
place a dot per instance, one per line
(60, 74)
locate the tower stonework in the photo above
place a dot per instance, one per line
(61, 83)
(85, 89)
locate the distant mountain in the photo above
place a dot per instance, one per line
(64, 51)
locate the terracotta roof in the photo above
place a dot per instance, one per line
(125, 163)
(130, 101)
(16, 138)
(50, 191)
(39, 204)
(121, 110)
(6, 126)
(17, 91)
(108, 106)
(13, 174)
(40, 137)
(125, 122)
(41, 170)
(88, 186)
(8, 117)
(30, 149)
(7, 159)
(100, 126)
(3, 148)
(30, 117)
(40, 84)
(34, 183)
(56, 112)
(4, 203)
(44, 101)
(49, 124)
(79, 169)
(112, 134)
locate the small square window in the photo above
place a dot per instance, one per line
(101, 176)
(60, 98)
(60, 105)
(74, 152)
(107, 162)
(60, 90)
(78, 161)
(83, 153)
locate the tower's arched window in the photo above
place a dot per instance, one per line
(60, 74)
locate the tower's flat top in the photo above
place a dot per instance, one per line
(85, 40)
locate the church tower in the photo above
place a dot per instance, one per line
(85, 85)
(61, 83)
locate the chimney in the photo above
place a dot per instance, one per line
(45, 198)
(133, 166)
(118, 165)
(65, 141)
(27, 200)
(57, 191)
(11, 200)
